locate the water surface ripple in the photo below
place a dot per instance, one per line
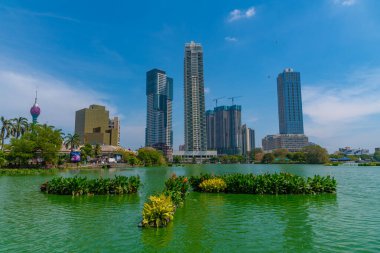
(346, 222)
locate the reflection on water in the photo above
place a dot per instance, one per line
(348, 222)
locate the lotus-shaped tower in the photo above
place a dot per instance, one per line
(35, 110)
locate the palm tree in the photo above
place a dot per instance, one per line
(5, 130)
(20, 126)
(61, 133)
(72, 141)
(46, 126)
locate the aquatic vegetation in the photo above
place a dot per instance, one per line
(177, 188)
(282, 183)
(213, 185)
(158, 211)
(76, 186)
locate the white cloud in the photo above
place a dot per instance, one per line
(339, 114)
(345, 2)
(230, 39)
(241, 14)
(207, 90)
(58, 101)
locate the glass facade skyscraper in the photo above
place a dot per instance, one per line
(159, 92)
(194, 98)
(290, 102)
(224, 129)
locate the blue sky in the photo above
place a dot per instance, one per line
(98, 52)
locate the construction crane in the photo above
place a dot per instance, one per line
(233, 98)
(216, 100)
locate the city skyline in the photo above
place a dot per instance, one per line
(64, 51)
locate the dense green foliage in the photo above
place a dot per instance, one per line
(6, 130)
(315, 154)
(268, 158)
(310, 154)
(86, 152)
(129, 157)
(42, 142)
(177, 159)
(230, 159)
(81, 186)
(150, 157)
(97, 150)
(213, 185)
(283, 183)
(297, 157)
(3, 160)
(158, 211)
(177, 188)
(72, 141)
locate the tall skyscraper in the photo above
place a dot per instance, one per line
(194, 98)
(248, 140)
(289, 102)
(224, 129)
(159, 92)
(94, 126)
(290, 115)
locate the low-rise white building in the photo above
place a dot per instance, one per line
(291, 142)
(198, 156)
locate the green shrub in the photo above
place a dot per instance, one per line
(158, 212)
(196, 181)
(213, 185)
(176, 188)
(81, 185)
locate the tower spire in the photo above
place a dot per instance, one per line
(35, 110)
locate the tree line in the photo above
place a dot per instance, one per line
(41, 144)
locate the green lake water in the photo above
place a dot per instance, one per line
(349, 221)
